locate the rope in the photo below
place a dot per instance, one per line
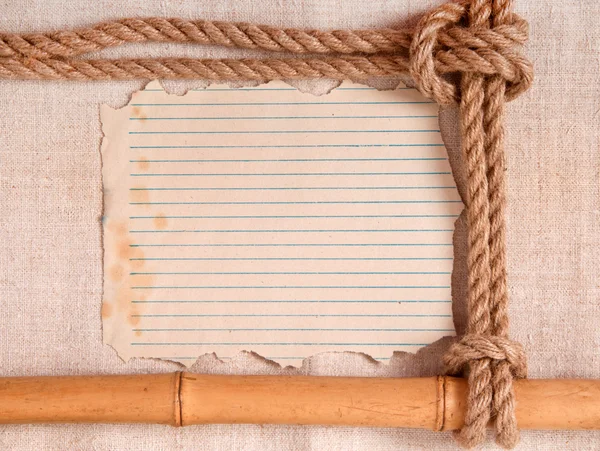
(491, 358)
(353, 68)
(67, 44)
(477, 40)
(382, 52)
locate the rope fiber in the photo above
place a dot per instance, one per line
(477, 39)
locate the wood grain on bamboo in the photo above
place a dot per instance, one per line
(182, 399)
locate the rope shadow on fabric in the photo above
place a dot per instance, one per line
(478, 40)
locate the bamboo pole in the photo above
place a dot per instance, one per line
(150, 398)
(182, 399)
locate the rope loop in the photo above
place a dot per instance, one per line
(467, 49)
(495, 349)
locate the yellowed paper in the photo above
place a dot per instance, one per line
(269, 220)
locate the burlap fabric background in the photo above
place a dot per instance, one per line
(50, 235)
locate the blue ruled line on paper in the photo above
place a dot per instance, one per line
(173, 301)
(184, 315)
(294, 216)
(290, 258)
(272, 344)
(273, 273)
(183, 329)
(309, 188)
(270, 118)
(290, 245)
(296, 287)
(283, 146)
(289, 160)
(305, 203)
(297, 231)
(274, 132)
(302, 203)
(287, 174)
(281, 103)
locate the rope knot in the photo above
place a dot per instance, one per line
(448, 41)
(486, 347)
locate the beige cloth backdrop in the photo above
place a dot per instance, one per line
(50, 235)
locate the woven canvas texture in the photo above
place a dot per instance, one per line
(51, 204)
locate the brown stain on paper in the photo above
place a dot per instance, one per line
(160, 222)
(143, 164)
(137, 196)
(120, 274)
(136, 111)
(106, 310)
(126, 252)
(116, 273)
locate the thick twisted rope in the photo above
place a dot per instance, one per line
(67, 44)
(353, 68)
(492, 360)
(384, 52)
(477, 39)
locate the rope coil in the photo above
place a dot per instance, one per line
(477, 39)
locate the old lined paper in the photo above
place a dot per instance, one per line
(269, 220)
